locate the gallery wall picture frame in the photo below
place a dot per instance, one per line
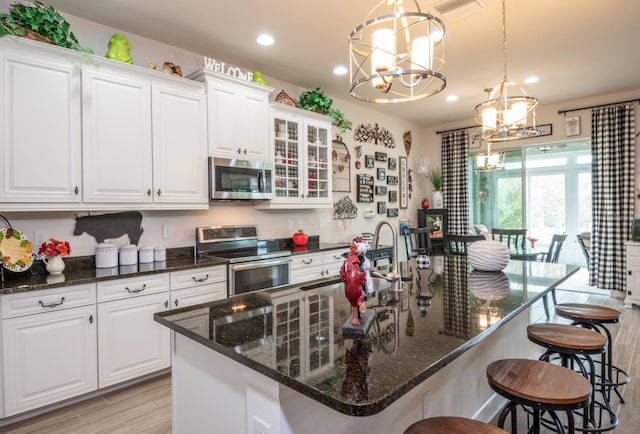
(382, 207)
(544, 130)
(393, 196)
(392, 164)
(381, 173)
(368, 161)
(381, 156)
(392, 180)
(392, 212)
(404, 194)
(381, 190)
(572, 126)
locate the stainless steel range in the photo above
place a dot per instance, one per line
(252, 264)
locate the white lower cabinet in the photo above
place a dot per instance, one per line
(50, 353)
(202, 285)
(313, 266)
(130, 342)
(633, 273)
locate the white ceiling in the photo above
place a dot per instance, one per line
(578, 48)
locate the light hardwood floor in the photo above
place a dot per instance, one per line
(146, 408)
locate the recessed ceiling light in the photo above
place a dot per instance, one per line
(265, 39)
(532, 79)
(452, 98)
(340, 70)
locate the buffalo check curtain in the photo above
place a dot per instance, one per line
(455, 180)
(613, 183)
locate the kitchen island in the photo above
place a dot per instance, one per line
(276, 361)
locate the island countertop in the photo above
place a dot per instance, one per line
(294, 335)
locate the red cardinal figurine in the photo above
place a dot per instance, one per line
(353, 278)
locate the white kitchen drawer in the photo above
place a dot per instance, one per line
(199, 276)
(334, 257)
(198, 294)
(132, 287)
(46, 300)
(307, 260)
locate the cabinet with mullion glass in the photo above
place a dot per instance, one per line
(320, 325)
(287, 158)
(287, 337)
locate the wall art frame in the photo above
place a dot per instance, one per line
(368, 161)
(381, 156)
(392, 180)
(392, 164)
(404, 194)
(392, 212)
(381, 174)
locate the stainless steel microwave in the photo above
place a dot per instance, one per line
(231, 179)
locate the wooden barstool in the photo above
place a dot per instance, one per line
(575, 346)
(541, 386)
(595, 317)
(452, 425)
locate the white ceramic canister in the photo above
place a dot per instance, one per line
(106, 255)
(128, 254)
(145, 254)
(159, 254)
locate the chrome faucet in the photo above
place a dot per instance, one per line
(393, 275)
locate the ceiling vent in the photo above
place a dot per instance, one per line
(454, 10)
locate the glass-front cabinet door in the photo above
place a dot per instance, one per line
(301, 156)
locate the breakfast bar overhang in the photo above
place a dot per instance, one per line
(275, 361)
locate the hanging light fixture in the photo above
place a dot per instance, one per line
(397, 56)
(508, 113)
(489, 161)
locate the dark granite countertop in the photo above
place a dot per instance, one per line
(294, 335)
(81, 269)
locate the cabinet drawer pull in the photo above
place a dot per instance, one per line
(307, 262)
(51, 304)
(175, 302)
(159, 192)
(135, 291)
(337, 257)
(200, 280)
(149, 192)
(239, 151)
(166, 304)
(76, 190)
(90, 319)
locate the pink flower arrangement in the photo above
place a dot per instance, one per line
(54, 247)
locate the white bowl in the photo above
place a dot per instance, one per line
(488, 255)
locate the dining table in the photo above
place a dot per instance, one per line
(524, 254)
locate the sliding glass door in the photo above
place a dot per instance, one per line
(546, 189)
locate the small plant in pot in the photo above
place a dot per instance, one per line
(435, 178)
(41, 23)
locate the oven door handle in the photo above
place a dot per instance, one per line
(259, 264)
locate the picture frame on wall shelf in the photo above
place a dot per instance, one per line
(572, 126)
(381, 174)
(392, 164)
(368, 161)
(381, 190)
(381, 156)
(404, 193)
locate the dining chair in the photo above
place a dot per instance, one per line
(554, 249)
(584, 239)
(417, 241)
(457, 244)
(513, 238)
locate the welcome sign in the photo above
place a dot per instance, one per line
(222, 68)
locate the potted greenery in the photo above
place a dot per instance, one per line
(41, 23)
(435, 177)
(318, 101)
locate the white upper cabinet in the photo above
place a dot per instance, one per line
(116, 129)
(300, 150)
(40, 115)
(238, 117)
(179, 144)
(102, 135)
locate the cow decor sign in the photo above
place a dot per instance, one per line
(111, 226)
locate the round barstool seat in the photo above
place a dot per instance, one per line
(541, 386)
(452, 425)
(575, 346)
(595, 317)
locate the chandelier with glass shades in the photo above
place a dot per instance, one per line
(489, 161)
(396, 55)
(508, 113)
